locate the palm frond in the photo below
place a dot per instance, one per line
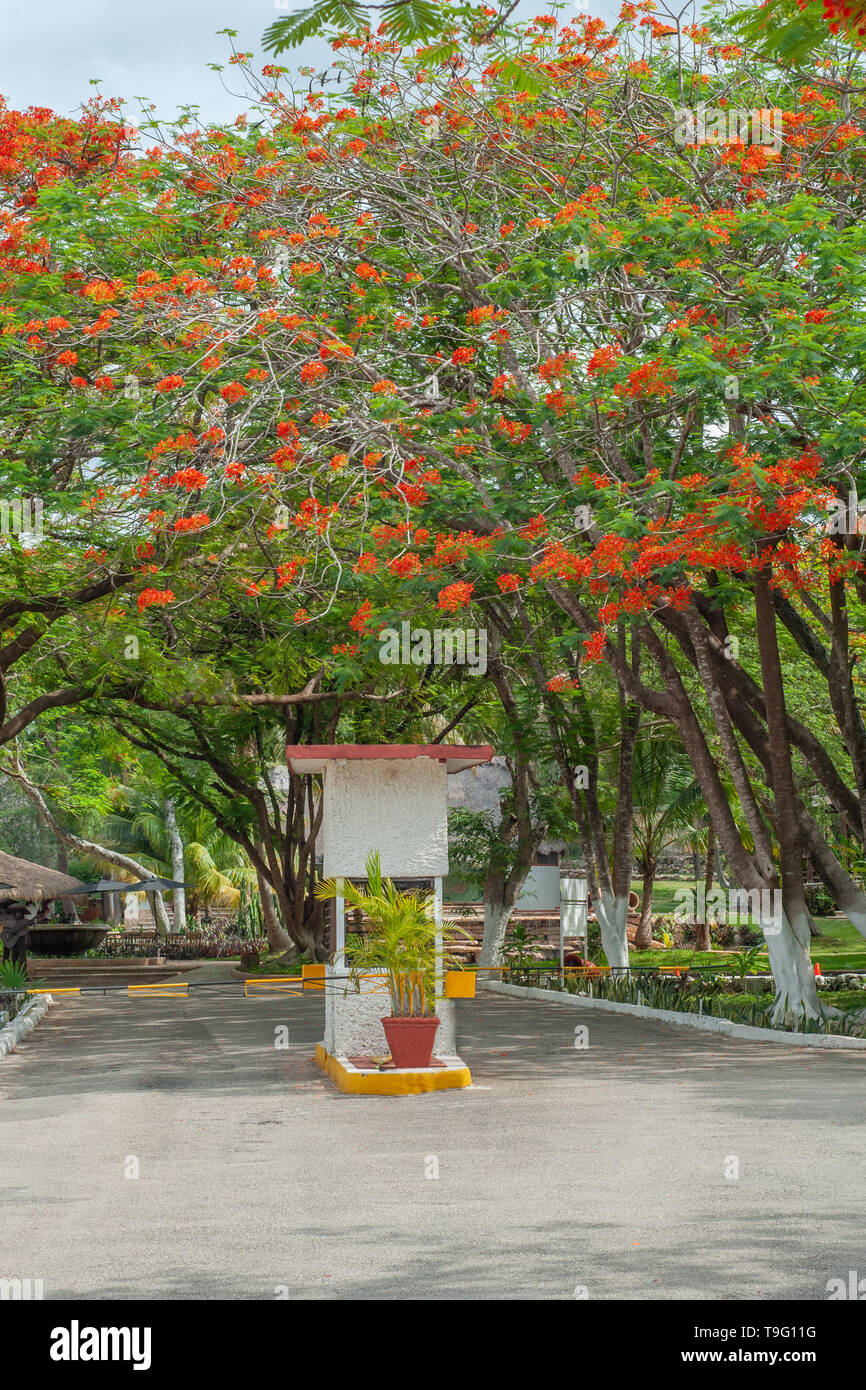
(292, 31)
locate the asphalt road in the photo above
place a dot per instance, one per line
(168, 1149)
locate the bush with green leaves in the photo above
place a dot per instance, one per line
(820, 900)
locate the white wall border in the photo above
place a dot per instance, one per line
(705, 1023)
(24, 1022)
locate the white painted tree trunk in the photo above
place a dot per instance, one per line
(177, 867)
(792, 969)
(612, 916)
(496, 919)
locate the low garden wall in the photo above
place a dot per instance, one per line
(24, 1022)
(703, 1022)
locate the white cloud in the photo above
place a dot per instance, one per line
(160, 51)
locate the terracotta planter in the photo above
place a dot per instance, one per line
(411, 1040)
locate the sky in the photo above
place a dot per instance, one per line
(161, 50)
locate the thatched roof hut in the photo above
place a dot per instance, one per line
(23, 881)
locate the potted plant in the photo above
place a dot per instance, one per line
(401, 945)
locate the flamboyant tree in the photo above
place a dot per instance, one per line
(491, 329)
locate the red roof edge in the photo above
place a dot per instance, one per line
(482, 752)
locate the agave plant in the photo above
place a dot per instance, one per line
(401, 943)
(13, 977)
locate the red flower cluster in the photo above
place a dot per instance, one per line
(455, 596)
(149, 598)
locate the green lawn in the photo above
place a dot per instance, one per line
(271, 963)
(839, 947)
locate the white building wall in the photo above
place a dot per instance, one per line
(353, 1018)
(397, 806)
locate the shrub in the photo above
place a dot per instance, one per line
(593, 941)
(208, 943)
(748, 937)
(664, 928)
(820, 900)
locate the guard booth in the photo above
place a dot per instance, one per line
(390, 799)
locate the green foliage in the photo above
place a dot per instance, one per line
(412, 21)
(704, 997)
(474, 845)
(12, 976)
(518, 949)
(819, 900)
(405, 22)
(667, 799)
(789, 32)
(291, 32)
(402, 939)
(250, 917)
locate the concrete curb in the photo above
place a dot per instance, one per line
(703, 1022)
(24, 1023)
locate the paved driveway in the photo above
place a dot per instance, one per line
(602, 1169)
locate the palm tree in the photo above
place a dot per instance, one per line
(668, 805)
(215, 866)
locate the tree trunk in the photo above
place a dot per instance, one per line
(68, 904)
(611, 913)
(177, 865)
(497, 915)
(702, 928)
(111, 856)
(501, 892)
(793, 973)
(644, 934)
(795, 981)
(278, 938)
(616, 917)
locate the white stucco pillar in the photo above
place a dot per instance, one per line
(339, 950)
(437, 913)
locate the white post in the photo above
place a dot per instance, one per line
(437, 912)
(561, 947)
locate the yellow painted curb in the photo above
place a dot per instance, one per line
(272, 984)
(389, 1083)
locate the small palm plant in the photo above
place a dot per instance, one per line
(746, 962)
(401, 942)
(13, 976)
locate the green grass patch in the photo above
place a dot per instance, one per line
(275, 965)
(839, 947)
